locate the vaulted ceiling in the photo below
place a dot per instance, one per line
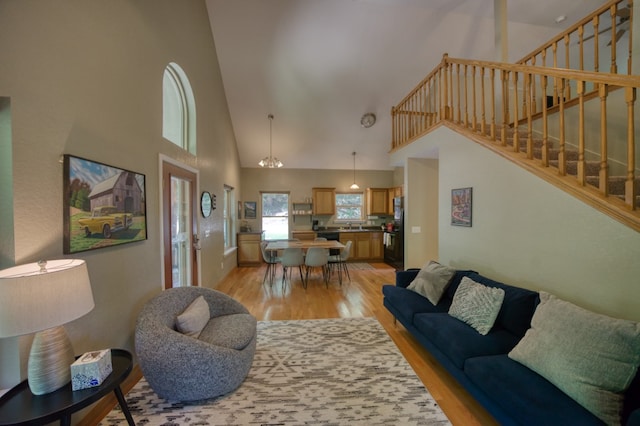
(319, 65)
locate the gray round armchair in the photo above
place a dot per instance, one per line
(179, 367)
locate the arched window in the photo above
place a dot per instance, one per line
(178, 109)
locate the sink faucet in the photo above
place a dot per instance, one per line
(361, 226)
(349, 225)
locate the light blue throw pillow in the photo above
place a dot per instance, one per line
(591, 357)
(476, 304)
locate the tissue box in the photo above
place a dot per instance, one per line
(91, 369)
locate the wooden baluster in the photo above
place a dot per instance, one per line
(450, 95)
(534, 99)
(604, 164)
(466, 98)
(596, 50)
(562, 157)
(630, 183)
(544, 57)
(581, 176)
(545, 128)
(630, 38)
(459, 105)
(614, 39)
(474, 111)
(394, 142)
(505, 102)
(516, 124)
(492, 74)
(567, 65)
(555, 65)
(529, 79)
(581, 46)
(483, 106)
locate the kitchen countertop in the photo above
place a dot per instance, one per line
(350, 230)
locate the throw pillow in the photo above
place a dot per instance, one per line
(193, 319)
(476, 304)
(591, 357)
(432, 281)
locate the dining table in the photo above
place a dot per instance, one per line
(303, 244)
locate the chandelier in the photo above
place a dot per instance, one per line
(270, 161)
(354, 185)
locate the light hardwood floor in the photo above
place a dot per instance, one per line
(362, 297)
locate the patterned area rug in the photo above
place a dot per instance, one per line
(320, 372)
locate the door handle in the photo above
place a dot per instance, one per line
(196, 242)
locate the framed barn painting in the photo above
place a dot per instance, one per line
(461, 204)
(104, 206)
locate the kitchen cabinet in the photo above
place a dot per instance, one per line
(304, 235)
(249, 253)
(366, 246)
(324, 201)
(392, 193)
(377, 201)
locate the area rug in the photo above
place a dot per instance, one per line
(309, 372)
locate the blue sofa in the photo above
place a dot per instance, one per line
(512, 393)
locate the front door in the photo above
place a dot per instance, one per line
(179, 197)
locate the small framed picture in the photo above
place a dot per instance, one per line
(249, 209)
(461, 205)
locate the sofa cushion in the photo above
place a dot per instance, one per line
(194, 318)
(407, 302)
(591, 357)
(432, 281)
(524, 394)
(458, 341)
(517, 308)
(234, 331)
(476, 304)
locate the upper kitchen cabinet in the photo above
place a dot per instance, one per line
(377, 201)
(324, 201)
(392, 193)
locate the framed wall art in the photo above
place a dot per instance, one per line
(104, 206)
(249, 209)
(461, 205)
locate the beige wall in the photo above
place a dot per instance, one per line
(529, 233)
(85, 78)
(300, 181)
(421, 212)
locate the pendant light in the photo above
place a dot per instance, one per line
(270, 161)
(354, 185)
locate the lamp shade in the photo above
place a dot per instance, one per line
(38, 296)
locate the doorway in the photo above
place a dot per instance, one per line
(180, 226)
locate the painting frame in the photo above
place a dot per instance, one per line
(250, 211)
(462, 207)
(103, 205)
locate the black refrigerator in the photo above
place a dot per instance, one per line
(394, 239)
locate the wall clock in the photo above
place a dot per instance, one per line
(205, 204)
(368, 120)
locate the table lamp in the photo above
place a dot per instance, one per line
(39, 298)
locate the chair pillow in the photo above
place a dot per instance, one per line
(432, 281)
(193, 319)
(591, 357)
(476, 304)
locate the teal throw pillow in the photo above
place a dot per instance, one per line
(591, 357)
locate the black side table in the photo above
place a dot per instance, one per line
(20, 407)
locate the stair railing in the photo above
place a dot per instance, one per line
(596, 126)
(582, 46)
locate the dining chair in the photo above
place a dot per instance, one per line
(271, 258)
(340, 261)
(317, 257)
(292, 257)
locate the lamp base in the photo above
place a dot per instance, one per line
(49, 361)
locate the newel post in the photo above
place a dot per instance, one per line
(446, 102)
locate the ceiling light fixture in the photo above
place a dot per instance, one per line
(354, 185)
(270, 161)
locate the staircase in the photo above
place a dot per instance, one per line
(575, 128)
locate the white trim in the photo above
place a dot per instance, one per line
(162, 158)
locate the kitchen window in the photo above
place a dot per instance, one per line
(349, 206)
(275, 215)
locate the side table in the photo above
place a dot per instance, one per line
(20, 407)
